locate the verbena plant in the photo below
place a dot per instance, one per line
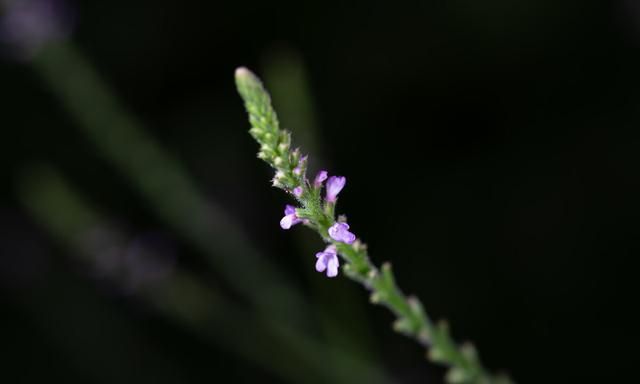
(317, 211)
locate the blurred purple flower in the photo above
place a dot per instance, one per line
(340, 232)
(289, 218)
(149, 260)
(328, 260)
(297, 191)
(334, 186)
(26, 25)
(320, 178)
(125, 267)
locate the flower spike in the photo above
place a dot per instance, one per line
(290, 166)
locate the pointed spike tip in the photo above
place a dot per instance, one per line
(242, 72)
(245, 79)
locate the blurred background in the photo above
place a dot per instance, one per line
(491, 151)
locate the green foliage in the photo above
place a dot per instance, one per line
(411, 318)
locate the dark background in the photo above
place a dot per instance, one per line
(490, 149)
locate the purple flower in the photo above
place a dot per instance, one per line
(290, 217)
(297, 191)
(340, 232)
(320, 178)
(334, 186)
(328, 260)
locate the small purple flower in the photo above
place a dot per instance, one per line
(290, 219)
(320, 178)
(297, 191)
(334, 186)
(340, 232)
(328, 260)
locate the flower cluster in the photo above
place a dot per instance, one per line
(290, 175)
(338, 232)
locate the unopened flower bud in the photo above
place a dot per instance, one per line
(301, 167)
(295, 156)
(256, 132)
(283, 147)
(285, 138)
(280, 176)
(334, 186)
(320, 178)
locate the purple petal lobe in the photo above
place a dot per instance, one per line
(332, 266)
(289, 210)
(320, 265)
(297, 191)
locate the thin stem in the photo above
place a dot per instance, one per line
(411, 318)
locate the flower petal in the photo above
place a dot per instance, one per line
(332, 266)
(289, 209)
(320, 264)
(340, 232)
(288, 221)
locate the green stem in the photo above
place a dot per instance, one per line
(411, 318)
